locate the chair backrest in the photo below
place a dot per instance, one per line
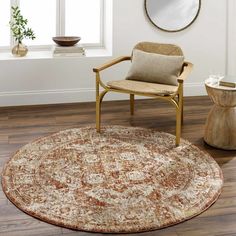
(160, 48)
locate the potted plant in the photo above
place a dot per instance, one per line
(20, 31)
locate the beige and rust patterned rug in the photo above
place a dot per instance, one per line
(123, 180)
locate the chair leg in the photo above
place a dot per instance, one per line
(131, 104)
(178, 125)
(98, 110)
(181, 103)
(179, 114)
(98, 115)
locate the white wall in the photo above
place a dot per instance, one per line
(231, 45)
(41, 81)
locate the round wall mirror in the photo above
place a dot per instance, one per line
(172, 15)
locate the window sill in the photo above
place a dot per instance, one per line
(90, 53)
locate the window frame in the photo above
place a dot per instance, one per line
(60, 27)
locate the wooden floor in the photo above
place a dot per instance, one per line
(20, 125)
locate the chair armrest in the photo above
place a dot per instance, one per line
(111, 63)
(187, 68)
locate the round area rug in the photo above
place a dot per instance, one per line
(122, 180)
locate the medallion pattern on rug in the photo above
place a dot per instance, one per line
(122, 180)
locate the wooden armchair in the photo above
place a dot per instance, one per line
(171, 93)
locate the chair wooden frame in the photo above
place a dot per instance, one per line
(176, 99)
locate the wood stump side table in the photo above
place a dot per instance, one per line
(220, 129)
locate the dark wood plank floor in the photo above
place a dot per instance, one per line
(20, 125)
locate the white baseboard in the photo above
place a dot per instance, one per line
(37, 97)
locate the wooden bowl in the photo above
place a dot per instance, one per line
(66, 41)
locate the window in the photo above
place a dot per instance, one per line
(42, 19)
(49, 18)
(77, 12)
(4, 22)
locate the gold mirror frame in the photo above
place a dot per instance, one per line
(167, 30)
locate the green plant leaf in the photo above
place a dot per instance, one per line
(18, 26)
